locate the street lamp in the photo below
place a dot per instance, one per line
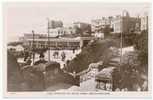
(121, 38)
(48, 39)
(33, 46)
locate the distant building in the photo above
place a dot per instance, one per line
(56, 32)
(60, 31)
(144, 22)
(98, 25)
(55, 24)
(55, 28)
(36, 36)
(55, 43)
(82, 28)
(125, 23)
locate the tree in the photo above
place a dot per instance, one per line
(141, 45)
(92, 53)
(83, 30)
(78, 31)
(106, 30)
(14, 77)
(129, 70)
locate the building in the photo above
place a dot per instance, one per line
(54, 28)
(144, 22)
(97, 25)
(61, 31)
(56, 32)
(55, 24)
(36, 36)
(54, 43)
(125, 23)
(82, 28)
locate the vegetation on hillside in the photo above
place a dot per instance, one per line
(95, 51)
(135, 65)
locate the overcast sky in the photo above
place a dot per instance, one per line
(21, 18)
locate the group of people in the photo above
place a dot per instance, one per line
(56, 55)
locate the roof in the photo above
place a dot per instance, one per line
(105, 74)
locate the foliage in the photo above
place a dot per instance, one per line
(83, 30)
(14, 78)
(95, 51)
(106, 31)
(141, 44)
(134, 64)
(129, 70)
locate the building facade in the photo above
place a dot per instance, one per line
(55, 24)
(55, 43)
(144, 23)
(61, 31)
(97, 25)
(125, 23)
(82, 28)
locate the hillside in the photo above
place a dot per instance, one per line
(93, 52)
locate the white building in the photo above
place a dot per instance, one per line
(98, 24)
(144, 22)
(60, 31)
(125, 23)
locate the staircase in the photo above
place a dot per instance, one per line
(115, 61)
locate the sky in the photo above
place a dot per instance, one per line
(20, 18)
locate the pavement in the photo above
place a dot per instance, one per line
(69, 56)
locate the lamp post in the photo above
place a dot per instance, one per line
(48, 40)
(121, 38)
(33, 34)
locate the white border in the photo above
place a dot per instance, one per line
(48, 94)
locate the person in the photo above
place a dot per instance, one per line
(73, 50)
(108, 86)
(41, 60)
(55, 54)
(26, 54)
(63, 56)
(28, 61)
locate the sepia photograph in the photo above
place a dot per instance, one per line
(74, 47)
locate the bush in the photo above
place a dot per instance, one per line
(95, 51)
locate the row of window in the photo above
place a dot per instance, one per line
(54, 44)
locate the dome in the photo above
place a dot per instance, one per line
(125, 13)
